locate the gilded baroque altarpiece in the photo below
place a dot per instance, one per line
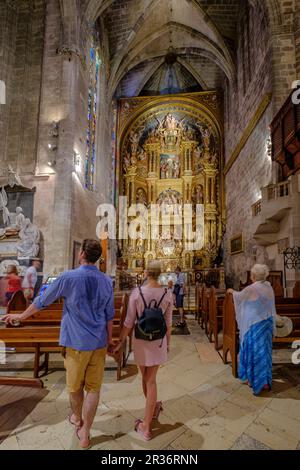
(170, 151)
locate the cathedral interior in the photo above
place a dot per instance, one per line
(119, 106)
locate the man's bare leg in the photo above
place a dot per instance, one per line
(76, 401)
(89, 410)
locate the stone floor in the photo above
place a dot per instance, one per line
(204, 407)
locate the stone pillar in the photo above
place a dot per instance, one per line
(283, 61)
(8, 25)
(62, 215)
(59, 98)
(297, 37)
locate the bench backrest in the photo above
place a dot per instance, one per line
(229, 319)
(17, 302)
(296, 290)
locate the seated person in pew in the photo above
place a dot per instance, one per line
(86, 331)
(256, 318)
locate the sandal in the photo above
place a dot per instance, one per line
(158, 409)
(89, 444)
(72, 422)
(145, 434)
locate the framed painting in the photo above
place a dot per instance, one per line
(237, 245)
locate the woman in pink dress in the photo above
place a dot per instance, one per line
(149, 355)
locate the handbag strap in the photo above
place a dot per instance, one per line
(162, 298)
(156, 305)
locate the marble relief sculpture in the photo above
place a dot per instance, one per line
(13, 177)
(28, 247)
(3, 207)
(20, 218)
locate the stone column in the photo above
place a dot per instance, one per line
(283, 60)
(62, 215)
(297, 37)
(59, 97)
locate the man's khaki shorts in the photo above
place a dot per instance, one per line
(84, 369)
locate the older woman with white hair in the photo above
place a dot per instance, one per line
(256, 318)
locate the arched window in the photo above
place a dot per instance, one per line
(90, 159)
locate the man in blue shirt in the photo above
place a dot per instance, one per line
(86, 331)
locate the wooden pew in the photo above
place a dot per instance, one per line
(41, 339)
(17, 303)
(204, 308)
(296, 290)
(21, 382)
(230, 333)
(198, 301)
(48, 318)
(215, 316)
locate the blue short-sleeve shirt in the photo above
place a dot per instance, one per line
(88, 307)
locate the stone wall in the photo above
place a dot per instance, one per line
(44, 59)
(22, 24)
(265, 64)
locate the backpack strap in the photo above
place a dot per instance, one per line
(143, 297)
(166, 290)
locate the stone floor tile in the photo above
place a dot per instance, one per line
(245, 442)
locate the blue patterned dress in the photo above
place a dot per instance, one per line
(256, 318)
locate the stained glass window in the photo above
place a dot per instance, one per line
(90, 159)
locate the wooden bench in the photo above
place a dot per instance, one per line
(230, 333)
(40, 339)
(44, 321)
(215, 317)
(21, 382)
(204, 308)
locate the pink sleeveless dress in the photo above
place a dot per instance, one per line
(149, 353)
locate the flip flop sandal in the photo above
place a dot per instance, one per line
(145, 435)
(83, 448)
(158, 409)
(74, 424)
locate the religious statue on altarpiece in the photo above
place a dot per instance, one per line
(141, 196)
(169, 166)
(198, 194)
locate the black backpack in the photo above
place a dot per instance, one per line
(151, 325)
